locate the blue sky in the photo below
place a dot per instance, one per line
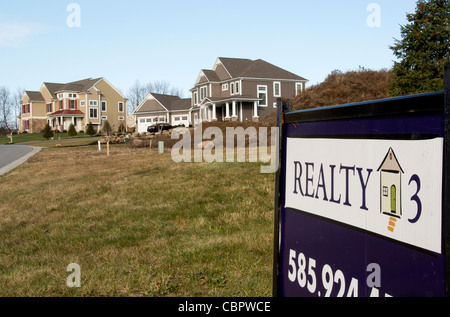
(172, 40)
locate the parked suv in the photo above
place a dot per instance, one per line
(159, 127)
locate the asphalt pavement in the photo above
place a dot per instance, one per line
(12, 156)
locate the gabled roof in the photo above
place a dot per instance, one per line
(169, 102)
(79, 86)
(35, 96)
(241, 67)
(390, 163)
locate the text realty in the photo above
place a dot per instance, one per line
(321, 187)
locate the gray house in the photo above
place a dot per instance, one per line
(159, 108)
(241, 90)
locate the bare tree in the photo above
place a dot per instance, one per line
(5, 107)
(138, 92)
(163, 87)
(17, 106)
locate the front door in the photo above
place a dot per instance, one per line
(394, 199)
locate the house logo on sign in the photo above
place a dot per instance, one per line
(391, 188)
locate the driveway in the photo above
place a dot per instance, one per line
(12, 156)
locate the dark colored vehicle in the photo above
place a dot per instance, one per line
(159, 127)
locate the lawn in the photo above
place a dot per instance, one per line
(137, 223)
(37, 137)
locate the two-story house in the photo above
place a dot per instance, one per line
(77, 103)
(241, 90)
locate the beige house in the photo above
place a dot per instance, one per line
(241, 90)
(77, 103)
(159, 108)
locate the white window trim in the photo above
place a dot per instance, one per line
(237, 88)
(93, 103)
(104, 117)
(296, 87)
(265, 92)
(205, 94)
(123, 106)
(279, 89)
(121, 118)
(224, 87)
(232, 91)
(106, 106)
(195, 97)
(90, 117)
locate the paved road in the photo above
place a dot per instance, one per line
(12, 156)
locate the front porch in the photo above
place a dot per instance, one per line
(231, 109)
(62, 120)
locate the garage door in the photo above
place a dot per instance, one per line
(180, 120)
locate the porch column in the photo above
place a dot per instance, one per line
(240, 112)
(255, 111)
(227, 113)
(214, 112)
(234, 116)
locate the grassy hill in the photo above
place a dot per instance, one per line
(342, 88)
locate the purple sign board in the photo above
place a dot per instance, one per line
(361, 209)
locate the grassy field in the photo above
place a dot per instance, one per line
(137, 223)
(37, 137)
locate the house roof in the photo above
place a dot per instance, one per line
(67, 113)
(239, 67)
(390, 163)
(76, 86)
(169, 102)
(35, 96)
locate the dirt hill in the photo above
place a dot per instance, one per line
(342, 88)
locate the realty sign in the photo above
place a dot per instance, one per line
(372, 185)
(361, 207)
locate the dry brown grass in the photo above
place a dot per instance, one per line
(137, 223)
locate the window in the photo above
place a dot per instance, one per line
(49, 107)
(195, 98)
(93, 103)
(298, 87)
(61, 105)
(120, 106)
(203, 93)
(237, 88)
(142, 120)
(93, 113)
(184, 118)
(385, 191)
(224, 87)
(262, 94)
(121, 118)
(70, 95)
(73, 104)
(276, 89)
(28, 108)
(104, 118)
(27, 124)
(83, 103)
(104, 106)
(232, 88)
